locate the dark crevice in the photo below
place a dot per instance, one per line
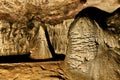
(55, 56)
(15, 58)
(96, 14)
(22, 59)
(105, 20)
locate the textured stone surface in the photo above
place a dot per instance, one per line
(24, 11)
(14, 38)
(106, 5)
(92, 51)
(48, 11)
(24, 19)
(32, 71)
(29, 14)
(58, 36)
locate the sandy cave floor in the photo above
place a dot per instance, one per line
(50, 70)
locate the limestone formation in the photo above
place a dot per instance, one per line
(93, 52)
(14, 38)
(22, 31)
(38, 29)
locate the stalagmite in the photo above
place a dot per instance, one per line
(40, 49)
(93, 52)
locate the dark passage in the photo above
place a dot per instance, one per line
(24, 58)
(15, 58)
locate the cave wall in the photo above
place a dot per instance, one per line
(57, 18)
(58, 36)
(91, 53)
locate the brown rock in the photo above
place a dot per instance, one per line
(32, 71)
(93, 50)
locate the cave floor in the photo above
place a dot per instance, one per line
(49, 70)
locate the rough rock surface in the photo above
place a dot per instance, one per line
(29, 14)
(32, 71)
(49, 11)
(93, 52)
(57, 16)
